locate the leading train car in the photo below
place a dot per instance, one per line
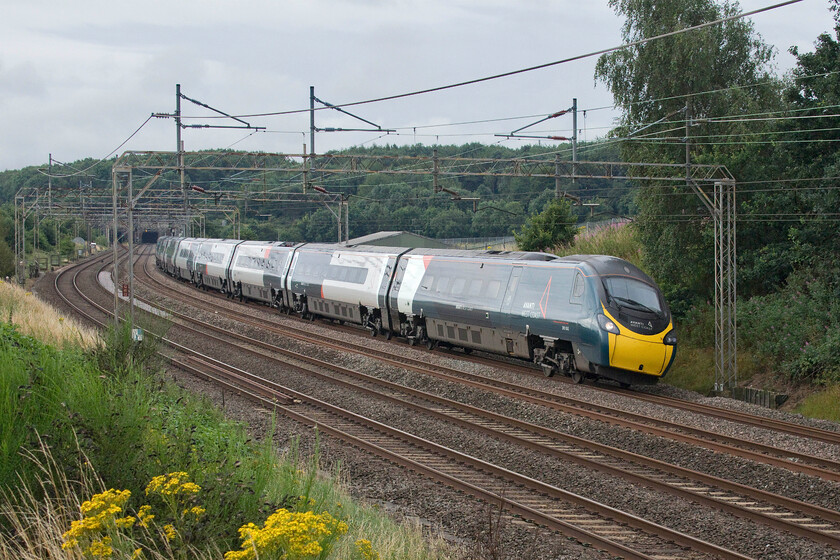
(167, 248)
(581, 316)
(258, 271)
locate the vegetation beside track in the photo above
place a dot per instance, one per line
(77, 418)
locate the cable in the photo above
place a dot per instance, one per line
(115, 150)
(707, 92)
(528, 69)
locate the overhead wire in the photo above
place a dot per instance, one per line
(114, 151)
(524, 70)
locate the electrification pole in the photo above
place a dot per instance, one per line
(115, 242)
(312, 120)
(574, 139)
(180, 149)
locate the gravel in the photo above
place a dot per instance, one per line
(473, 526)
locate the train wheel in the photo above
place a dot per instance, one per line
(548, 369)
(431, 344)
(412, 341)
(467, 350)
(577, 377)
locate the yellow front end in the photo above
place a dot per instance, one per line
(641, 353)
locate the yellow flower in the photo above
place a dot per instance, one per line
(138, 553)
(172, 484)
(101, 548)
(365, 549)
(298, 535)
(99, 513)
(170, 532)
(197, 511)
(144, 516)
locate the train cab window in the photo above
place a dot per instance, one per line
(633, 295)
(427, 282)
(578, 290)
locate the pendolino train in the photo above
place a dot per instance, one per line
(584, 316)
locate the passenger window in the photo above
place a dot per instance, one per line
(475, 287)
(443, 285)
(513, 283)
(493, 289)
(458, 286)
(578, 290)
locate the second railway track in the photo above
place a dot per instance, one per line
(807, 521)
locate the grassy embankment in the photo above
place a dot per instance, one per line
(795, 331)
(79, 415)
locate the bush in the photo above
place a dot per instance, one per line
(796, 330)
(556, 225)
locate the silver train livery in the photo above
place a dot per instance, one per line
(583, 316)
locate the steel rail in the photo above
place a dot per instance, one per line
(712, 497)
(790, 460)
(261, 389)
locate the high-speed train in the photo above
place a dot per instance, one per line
(584, 316)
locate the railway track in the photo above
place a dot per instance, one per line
(799, 518)
(608, 529)
(791, 460)
(602, 527)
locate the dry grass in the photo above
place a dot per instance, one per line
(41, 321)
(616, 239)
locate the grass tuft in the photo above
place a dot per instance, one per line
(617, 239)
(823, 404)
(41, 321)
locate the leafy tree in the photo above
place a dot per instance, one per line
(7, 260)
(660, 86)
(553, 226)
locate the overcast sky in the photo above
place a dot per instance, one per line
(78, 78)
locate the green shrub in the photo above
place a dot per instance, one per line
(39, 390)
(796, 330)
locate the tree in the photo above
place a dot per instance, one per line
(553, 226)
(661, 86)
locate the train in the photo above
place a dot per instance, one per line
(582, 316)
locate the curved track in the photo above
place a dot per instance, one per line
(620, 534)
(798, 462)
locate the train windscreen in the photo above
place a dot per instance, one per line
(633, 294)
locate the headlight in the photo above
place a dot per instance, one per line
(607, 325)
(670, 339)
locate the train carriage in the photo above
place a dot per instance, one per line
(342, 283)
(212, 261)
(160, 251)
(579, 316)
(258, 271)
(185, 256)
(167, 247)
